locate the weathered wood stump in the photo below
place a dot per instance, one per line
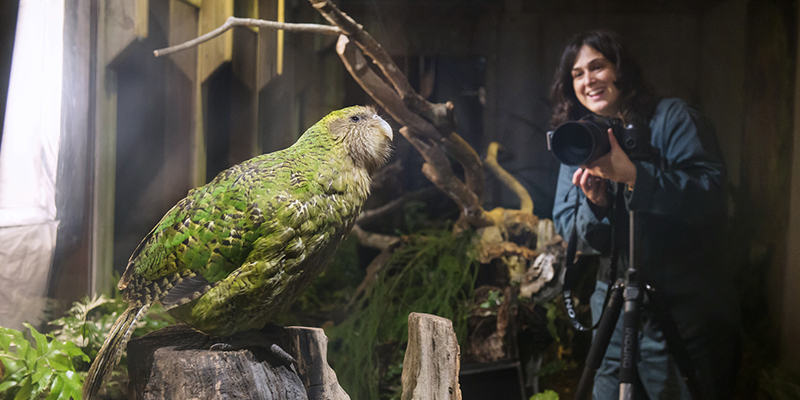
(176, 363)
(432, 360)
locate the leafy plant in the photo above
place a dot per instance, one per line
(46, 369)
(494, 299)
(88, 321)
(54, 368)
(432, 272)
(553, 312)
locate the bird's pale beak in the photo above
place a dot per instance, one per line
(387, 130)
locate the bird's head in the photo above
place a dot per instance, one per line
(365, 137)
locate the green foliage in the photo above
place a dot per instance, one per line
(546, 395)
(557, 365)
(44, 370)
(553, 312)
(334, 286)
(88, 321)
(494, 299)
(415, 214)
(53, 365)
(433, 272)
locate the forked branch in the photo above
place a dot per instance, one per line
(429, 127)
(233, 21)
(526, 204)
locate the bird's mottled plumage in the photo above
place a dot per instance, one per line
(234, 253)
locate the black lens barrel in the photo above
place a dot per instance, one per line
(579, 142)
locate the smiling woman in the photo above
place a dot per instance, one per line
(594, 81)
(608, 65)
(679, 203)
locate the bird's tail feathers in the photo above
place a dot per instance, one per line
(111, 351)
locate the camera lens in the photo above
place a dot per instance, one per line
(578, 142)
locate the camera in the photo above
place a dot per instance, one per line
(581, 142)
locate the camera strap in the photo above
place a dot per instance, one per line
(573, 273)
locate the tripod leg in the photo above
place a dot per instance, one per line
(597, 351)
(675, 344)
(628, 369)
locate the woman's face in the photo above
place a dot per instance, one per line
(593, 78)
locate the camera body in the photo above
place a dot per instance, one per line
(581, 142)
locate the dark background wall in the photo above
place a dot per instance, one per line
(692, 50)
(735, 59)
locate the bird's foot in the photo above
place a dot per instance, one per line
(265, 338)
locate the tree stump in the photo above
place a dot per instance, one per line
(176, 363)
(432, 360)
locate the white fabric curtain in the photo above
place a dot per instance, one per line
(28, 162)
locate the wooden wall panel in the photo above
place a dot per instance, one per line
(125, 21)
(267, 44)
(791, 296)
(244, 96)
(212, 54)
(767, 143)
(183, 25)
(245, 56)
(183, 139)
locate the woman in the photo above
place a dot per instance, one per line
(680, 203)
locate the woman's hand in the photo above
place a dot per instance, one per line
(614, 166)
(593, 187)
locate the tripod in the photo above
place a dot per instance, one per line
(629, 292)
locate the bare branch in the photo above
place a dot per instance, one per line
(504, 249)
(440, 115)
(373, 269)
(429, 127)
(437, 167)
(374, 240)
(369, 45)
(474, 177)
(384, 95)
(369, 216)
(437, 170)
(387, 173)
(526, 204)
(233, 21)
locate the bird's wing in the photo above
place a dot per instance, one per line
(211, 232)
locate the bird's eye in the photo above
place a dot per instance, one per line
(355, 118)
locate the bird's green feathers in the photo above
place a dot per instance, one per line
(238, 250)
(260, 218)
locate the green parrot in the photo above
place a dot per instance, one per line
(237, 251)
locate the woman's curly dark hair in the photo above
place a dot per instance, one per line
(638, 101)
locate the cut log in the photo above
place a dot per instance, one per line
(176, 363)
(432, 360)
(309, 346)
